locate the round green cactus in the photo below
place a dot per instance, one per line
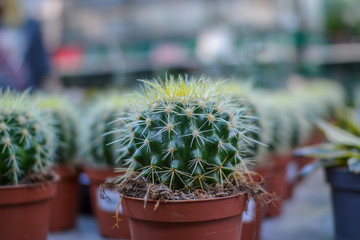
(99, 130)
(320, 98)
(300, 127)
(185, 133)
(65, 125)
(283, 122)
(27, 140)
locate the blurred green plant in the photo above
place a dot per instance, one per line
(342, 18)
(342, 148)
(99, 132)
(65, 125)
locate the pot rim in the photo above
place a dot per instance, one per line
(28, 193)
(181, 211)
(99, 175)
(97, 168)
(32, 185)
(243, 194)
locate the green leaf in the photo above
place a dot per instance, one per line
(354, 164)
(324, 151)
(337, 135)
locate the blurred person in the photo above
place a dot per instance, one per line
(23, 60)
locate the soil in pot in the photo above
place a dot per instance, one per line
(105, 209)
(65, 204)
(25, 210)
(345, 188)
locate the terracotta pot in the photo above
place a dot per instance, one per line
(291, 173)
(65, 205)
(253, 217)
(266, 172)
(25, 211)
(317, 137)
(277, 184)
(302, 162)
(213, 219)
(104, 209)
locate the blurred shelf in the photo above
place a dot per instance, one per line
(332, 54)
(101, 75)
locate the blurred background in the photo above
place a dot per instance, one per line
(98, 44)
(81, 46)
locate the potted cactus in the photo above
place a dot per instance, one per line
(296, 130)
(100, 150)
(27, 185)
(300, 133)
(259, 164)
(341, 158)
(66, 202)
(276, 134)
(187, 175)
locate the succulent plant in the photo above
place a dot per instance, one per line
(27, 140)
(65, 125)
(99, 130)
(185, 133)
(342, 148)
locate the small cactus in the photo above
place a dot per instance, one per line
(321, 98)
(27, 140)
(185, 133)
(65, 125)
(99, 134)
(283, 123)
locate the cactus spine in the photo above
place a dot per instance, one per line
(185, 133)
(27, 141)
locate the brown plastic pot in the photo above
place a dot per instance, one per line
(212, 219)
(104, 209)
(25, 211)
(317, 137)
(65, 205)
(291, 172)
(253, 217)
(277, 184)
(303, 161)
